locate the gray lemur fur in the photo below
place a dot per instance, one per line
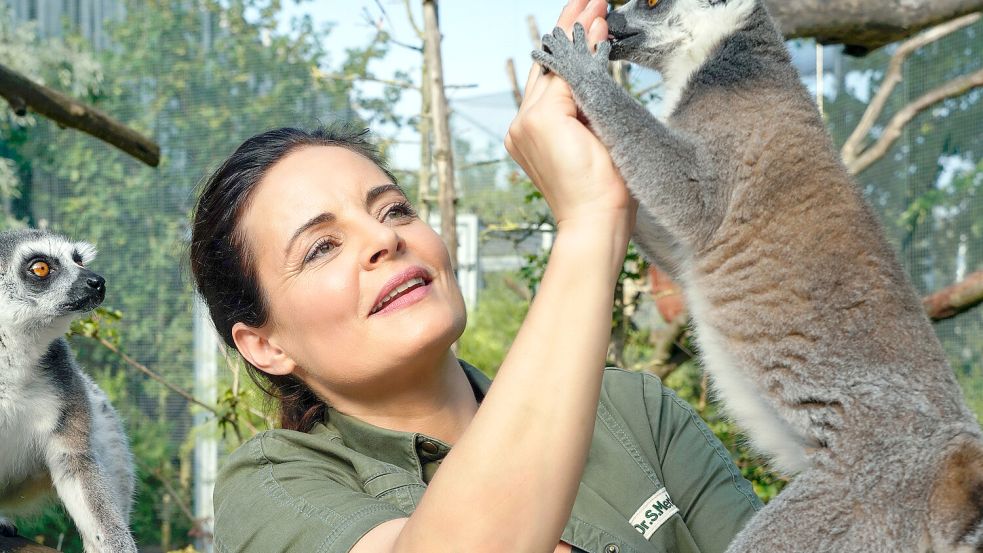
(56, 426)
(815, 340)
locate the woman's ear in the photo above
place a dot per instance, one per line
(254, 344)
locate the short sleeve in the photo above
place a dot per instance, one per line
(714, 499)
(270, 497)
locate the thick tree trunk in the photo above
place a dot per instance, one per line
(22, 93)
(864, 25)
(443, 155)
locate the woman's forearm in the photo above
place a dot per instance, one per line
(510, 481)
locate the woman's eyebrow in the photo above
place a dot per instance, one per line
(321, 219)
(380, 190)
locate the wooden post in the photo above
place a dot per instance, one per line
(443, 153)
(426, 144)
(513, 81)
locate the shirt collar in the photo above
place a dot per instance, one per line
(407, 450)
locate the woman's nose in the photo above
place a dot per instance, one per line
(383, 243)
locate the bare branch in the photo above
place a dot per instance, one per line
(412, 20)
(894, 129)
(388, 82)
(22, 93)
(143, 368)
(18, 544)
(893, 76)
(362, 78)
(955, 299)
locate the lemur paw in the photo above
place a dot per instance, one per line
(572, 60)
(7, 528)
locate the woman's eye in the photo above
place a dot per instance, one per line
(322, 247)
(40, 269)
(401, 210)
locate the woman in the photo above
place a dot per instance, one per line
(317, 271)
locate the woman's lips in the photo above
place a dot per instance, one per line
(405, 299)
(398, 285)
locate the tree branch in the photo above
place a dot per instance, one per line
(142, 368)
(893, 76)
(18, 544)
(955, 299)
(893, 129)
(412, 20)
(388, 82)
(22, 93)
(864, 25)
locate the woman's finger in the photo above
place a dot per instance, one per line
(597, 32)
(570, 13)
(592, 11)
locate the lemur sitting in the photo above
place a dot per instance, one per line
(56, 426)
(815, 340)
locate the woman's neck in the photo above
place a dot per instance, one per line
(437, 401)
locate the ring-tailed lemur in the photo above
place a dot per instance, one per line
(816, 342)
(56, 426)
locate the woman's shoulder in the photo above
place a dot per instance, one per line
(286, 451)
(279, 444)
(641, 401)
(621, 385)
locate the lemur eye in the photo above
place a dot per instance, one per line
(653, 3)
(40, 269)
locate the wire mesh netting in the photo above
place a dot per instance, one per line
(199, 77)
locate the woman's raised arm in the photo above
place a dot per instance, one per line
(510, 481)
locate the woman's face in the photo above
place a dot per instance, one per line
(357, 286)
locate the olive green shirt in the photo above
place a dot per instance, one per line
(656, 480)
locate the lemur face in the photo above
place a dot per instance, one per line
(43, 279)
(651, 32)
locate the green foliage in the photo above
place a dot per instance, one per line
(494, 323)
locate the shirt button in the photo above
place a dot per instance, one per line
(612, 548)
(429, 447)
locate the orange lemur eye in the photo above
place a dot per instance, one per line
(652, 3)
(40, 269)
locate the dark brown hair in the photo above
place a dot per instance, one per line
(223, 270)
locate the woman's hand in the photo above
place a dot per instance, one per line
(564, 159)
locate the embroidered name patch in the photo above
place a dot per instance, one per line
(653, 513)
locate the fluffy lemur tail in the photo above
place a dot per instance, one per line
(956, 503)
